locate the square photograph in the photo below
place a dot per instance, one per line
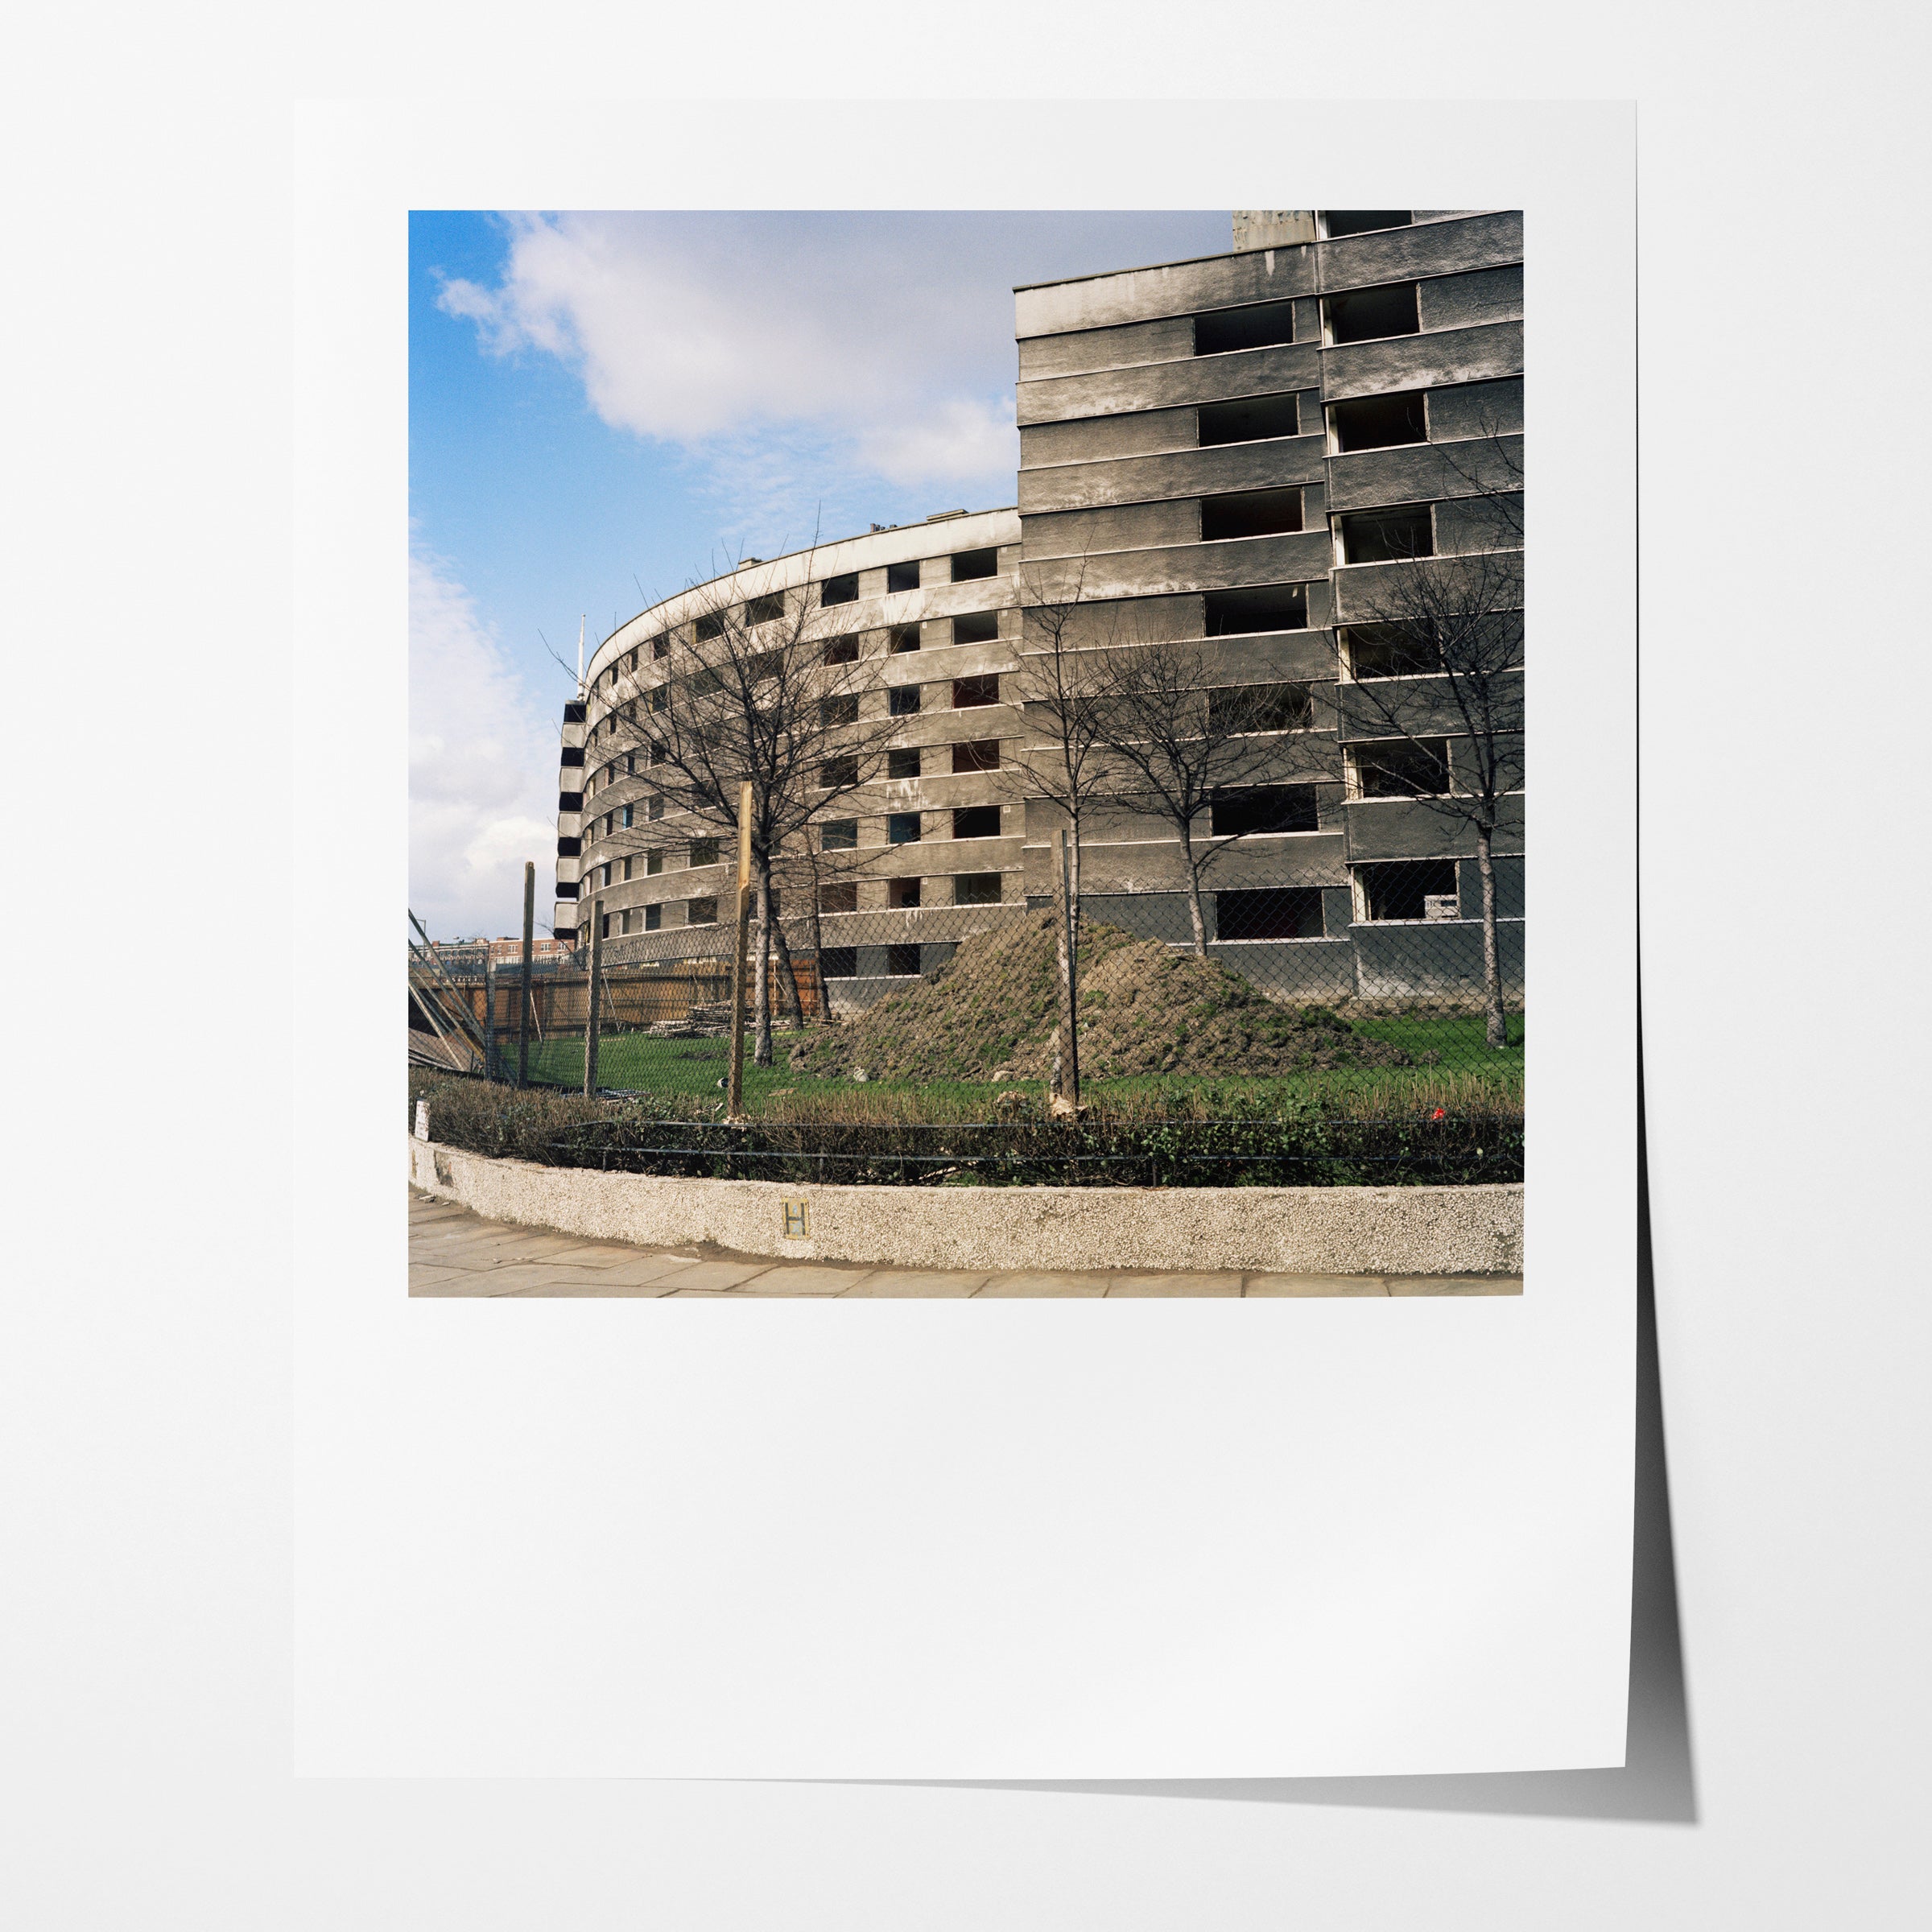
(972, 755)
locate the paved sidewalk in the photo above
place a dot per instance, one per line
(452, 1252)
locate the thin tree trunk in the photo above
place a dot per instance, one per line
(1067, 1061)
(1194, 896)
(1497, 1021)
(761, 972)
(788, 983)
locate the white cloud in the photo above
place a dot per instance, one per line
(482, 762)
(878, 351)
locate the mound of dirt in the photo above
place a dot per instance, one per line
(1145, 1009)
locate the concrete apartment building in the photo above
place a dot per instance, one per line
(1220, 450)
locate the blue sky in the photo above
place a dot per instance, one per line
(606, 407)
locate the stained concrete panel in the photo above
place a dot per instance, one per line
(1421, 472)
(1174, 288)
(1435, 248)
(1192, 472)
(1086, 349)
(1247, 372)
(1424, 361)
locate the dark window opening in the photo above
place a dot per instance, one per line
(1390, 650)
(1380, 422)
(902, 828)
(976, 822)
(704, 852)
(902, 764)
(969, 692)
(976, 888)
(1339, 221)
(842, 651)
(840, 962)
(607, 925)
(1369, 314)
(1386, 536)
(627, 817)
(902, 576)
(968, 564)
(654, 863)
(902, 962)
(838, 834)
(710, 625)
(840, 590)
(656, 810)
(660, 649)
(1402, 768)
(843, 710)
(660, 697)
(766, 610)
(1272, 607)
(570, 801)
(976, 627)
(766, 664)
(902, 700)
(1254, 513)
(573, 712)
(567, 888)
(1261, 325)
(1282, 912)
(904, 638)
(1256, 420)
(573, 754)
(1401, 889)
(568, 847)
(700, 912)
(976, 754)
(901, 894)
(654, 919)
(1262, 810)
(1244, 707)
(836, 774)
(843, 897)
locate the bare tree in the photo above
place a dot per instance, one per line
(766, 689)
(1188, 745)
(1429, 666)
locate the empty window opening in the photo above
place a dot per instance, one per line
(607, 925)
(976, 627)
(1367, 314)
(904, 638)
(704, 852)
(1261, 325)
(1271, 607)
(766, 664)
(1263, 810)
(901, 894)
(1401, 768)
(976, 754)
(766, 610)
(573, 712)
(607, 871)
(569, 846)
(976, 888)
(902, 828)
(1403, 889)
(902, 764)
(700, 912)
(840, 962)
(842, 709)
(656, 810)
(969, 692)
(573, 754)
(654, 863)
(570, 801)
(902, 700)
(710, 625)
(660, 698)
(1339, 221)
(837, 773)
(660, 649)
(841, 898)
(838, 834)
(1390, 650)
(654, 919)
(627, 818)
(625, 923)
(1379, 422)
(902, 962)
(1253, 513)
(628, 864)
(1254, 707)
(1255, 421)
(968, 564)
(1281, 912)
(842, 651)
(1386, 536)
(976, 822)
(902, 576)
(840, 590)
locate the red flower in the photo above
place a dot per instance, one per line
(1438, 1115)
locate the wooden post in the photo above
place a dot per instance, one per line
(734, 1098)
(489, 1014)
(1067, 1099)
(590, 1019)
(530, 943)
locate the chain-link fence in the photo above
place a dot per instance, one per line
(1280, 1007)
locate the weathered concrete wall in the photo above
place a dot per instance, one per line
(1402, 1231)
(1189, 472)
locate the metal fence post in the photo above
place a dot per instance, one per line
(597, 976)
(523, 1004)
(489, 1014)
(1068, 1098)
(734, 1098)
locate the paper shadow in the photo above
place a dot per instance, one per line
(1655, 1783)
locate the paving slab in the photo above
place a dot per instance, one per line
(912, 1284)
(714, 1275)
(1315, 1286)
(1053, 1285)
(1455, 1284)
(1168, 1287)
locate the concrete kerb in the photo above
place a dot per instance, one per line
(1389, 1231)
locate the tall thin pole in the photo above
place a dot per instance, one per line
(596, 982)
(489, 1014)
(529, 946)
(734, 1098)
(1069, 976)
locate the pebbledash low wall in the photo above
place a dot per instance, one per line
(1397, 1231)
